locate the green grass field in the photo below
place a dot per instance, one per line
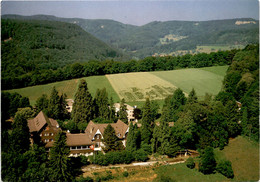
(69, 87)
(243, 154)
(203, 80)
(135, 87)
(180, 172)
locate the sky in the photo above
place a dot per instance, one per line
(137, 12)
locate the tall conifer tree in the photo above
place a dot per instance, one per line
(82, 107)
(146, 128)
(101, 100)
(110, 140)
(192, 97)
(53, 107)
(131, 139)
(59, 160)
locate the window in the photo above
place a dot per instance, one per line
(51, 140)
(46, 134)
(51, 134)
(78, 147)
(73, 148)
(97, 136)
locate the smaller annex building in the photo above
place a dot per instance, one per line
(44, 129)
(129, 110)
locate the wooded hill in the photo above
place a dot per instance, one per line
(29, 45)
(164, 37)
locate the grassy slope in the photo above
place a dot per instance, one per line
(202, 80)
(69, 87)
(243, 154)
(180, 172)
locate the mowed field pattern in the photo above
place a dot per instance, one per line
(137, 86)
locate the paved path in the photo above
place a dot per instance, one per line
(93, 167)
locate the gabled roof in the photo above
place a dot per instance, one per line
(74, 140)
(78, 139)
(120, 128)
(37, 123)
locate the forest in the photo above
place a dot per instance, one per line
(198, 124)
(37, 76)
(143, 41)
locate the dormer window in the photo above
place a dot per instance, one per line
(118, 134)
(97, 136)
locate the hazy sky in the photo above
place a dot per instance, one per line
(138, 12)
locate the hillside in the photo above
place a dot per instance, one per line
(160, 38)
(31, 45)
(156, 85)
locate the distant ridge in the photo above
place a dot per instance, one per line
(156, 38)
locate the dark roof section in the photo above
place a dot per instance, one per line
(37, 123)
(120, 128)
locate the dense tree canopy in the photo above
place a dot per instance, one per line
(83, 104)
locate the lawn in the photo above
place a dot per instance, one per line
(203, 80)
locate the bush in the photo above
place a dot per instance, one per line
(207, 163)
(140, 155)
(125, 174)
(190, 163)
(225, 168)
(147, 148)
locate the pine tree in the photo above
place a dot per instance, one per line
(207, 162)
(53, 106)
(131, 139)
(192, 97)
(164, 137)
(63, 112)
(101, 100)
(146, 128)
(110, 140)
(59, 160)
(42, 103)
(82, 107)
(20, 137)
(122, 112)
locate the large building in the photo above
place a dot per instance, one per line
(45, 129)
(129, 110)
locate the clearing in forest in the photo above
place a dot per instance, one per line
(139, 86)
